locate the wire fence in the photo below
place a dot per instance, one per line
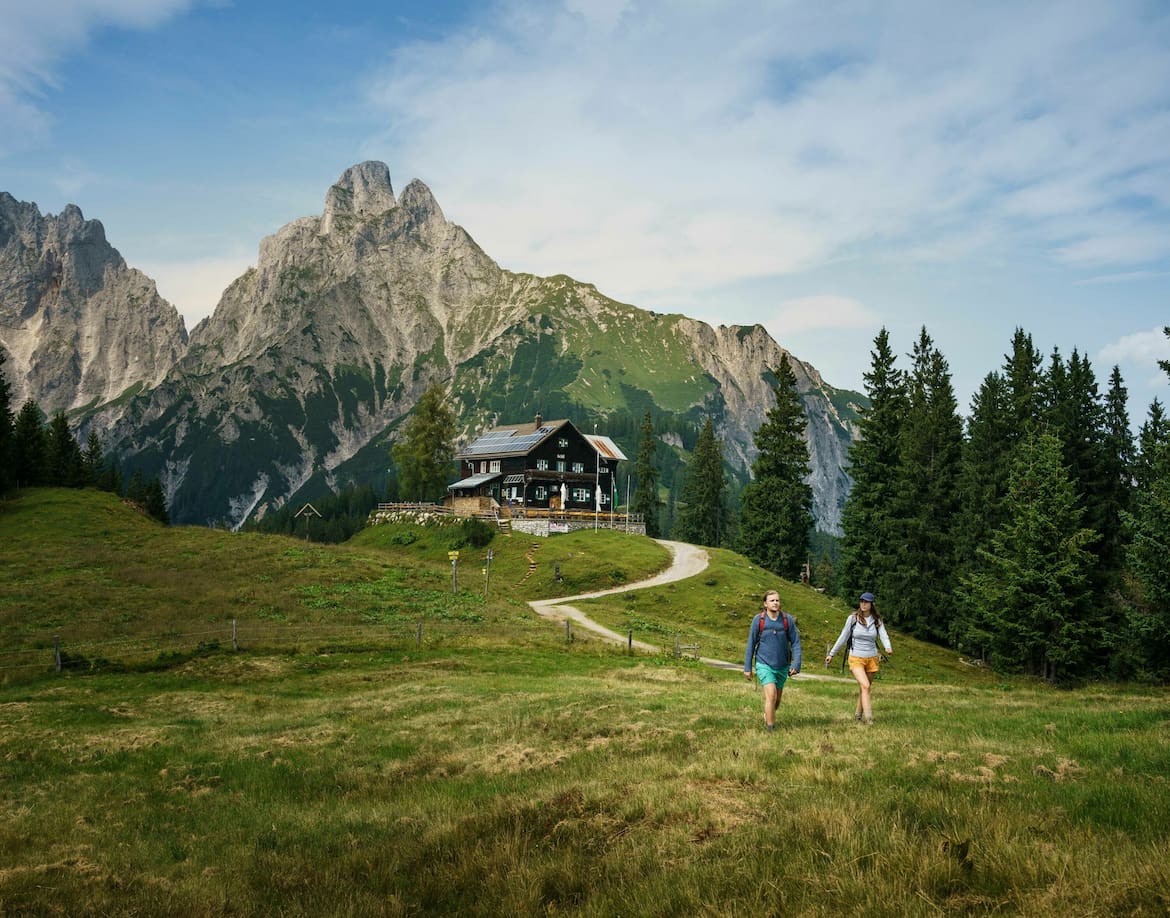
(59, 654)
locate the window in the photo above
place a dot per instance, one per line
(560, 465)
(495, 466)
(582, 495)
(542, 465)
(562, 442)
(482, 467)
(541, 492)
(578, 466)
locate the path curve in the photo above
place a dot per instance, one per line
(686, 561)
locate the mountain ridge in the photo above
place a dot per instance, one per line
(312, 358)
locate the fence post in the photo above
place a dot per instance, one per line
(418, 636)
(676, 648)
(568, 633)
(630, 642)
(57, 652)
(235, 636)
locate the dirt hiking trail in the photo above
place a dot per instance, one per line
(686, 561)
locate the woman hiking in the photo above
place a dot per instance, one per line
(862, 630)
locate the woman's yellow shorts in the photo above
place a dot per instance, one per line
(869, 664)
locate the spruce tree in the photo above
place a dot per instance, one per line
(30, 447)
(1117, 475)
(93, 462)
(1148, 546)
(867, 545)
(1028, 606)
(987, 451)
(1025, 382)
(66, 468)
(646, 500)
(776, 516)
(1148, 563)
(425, 451)
(919, 580)
(7, 430)
(1154, 431)
(155, 502)
(703, 511)
(1076, 414)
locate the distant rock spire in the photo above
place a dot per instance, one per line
(363, 190)
(418, 201)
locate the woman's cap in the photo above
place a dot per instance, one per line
(867, 597)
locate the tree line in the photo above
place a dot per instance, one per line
(36, 451)
(1033, 536)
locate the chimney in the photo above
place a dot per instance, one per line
(539, 419)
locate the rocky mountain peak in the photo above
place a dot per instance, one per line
(362, 191)
(78, 324)
(418, 201)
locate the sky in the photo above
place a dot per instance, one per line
(826, 169)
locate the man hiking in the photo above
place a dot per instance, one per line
(774, 644)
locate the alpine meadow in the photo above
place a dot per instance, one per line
(375, 743)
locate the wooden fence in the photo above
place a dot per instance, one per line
(58, 654)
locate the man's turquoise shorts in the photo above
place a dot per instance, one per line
(767, 675)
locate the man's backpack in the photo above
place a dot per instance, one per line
(783, 619)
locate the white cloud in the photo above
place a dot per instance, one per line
(700, 144)
(820, 312)
(1124, 277)
(194, 287)
(1147, 347)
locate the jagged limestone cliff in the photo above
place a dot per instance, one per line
(79, 326)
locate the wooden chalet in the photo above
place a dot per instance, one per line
(546, 465)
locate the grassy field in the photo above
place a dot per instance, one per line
(496, 770)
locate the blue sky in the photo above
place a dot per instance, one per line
(823, 168)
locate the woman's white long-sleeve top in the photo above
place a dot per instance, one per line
(865, 638)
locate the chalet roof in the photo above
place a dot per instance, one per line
(473, 481)
(512, 439)
(605, 446)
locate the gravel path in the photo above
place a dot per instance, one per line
(686, 561)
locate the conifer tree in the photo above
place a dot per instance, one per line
(1025, 382)
(1148, 547)
(1148, 557)
(93, 462)
(7, 430)
(155, 502)
(867, 543)
(1155, 430)
(646, 500)
(31, 447)
(1117, 475)
(1028, 605)
(65, 465)
(426, 449)
(1009, 406)
(136, 488)
(919, 580)
(776, 515)
(987, 452)
(703, 511)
